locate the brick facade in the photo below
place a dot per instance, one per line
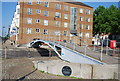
(23, 37)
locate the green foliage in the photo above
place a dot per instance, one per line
(6, 37)
(106, 20)
(70, 77)
(42, 71)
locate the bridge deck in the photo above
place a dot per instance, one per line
(96, 55)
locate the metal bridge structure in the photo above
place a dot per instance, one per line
(67, 53)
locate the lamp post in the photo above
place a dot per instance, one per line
(3, 34)
(101, 50)
(107, 47)
(74, 43)
(17, 35)
(59, 37)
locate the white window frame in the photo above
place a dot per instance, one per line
(57, 23)
(58, 6)
(29, 2)
(65, 33)
(81, 26)
(88, 27)
(65, 24)
(37, 20)
(87, 11)
(81, 10)
(46, 4)
(57, 14)
(37, 30)
(38, 11)
(87, 19)
(28, 30)
(65, 16)
(87, 35)
(38, 2)
(57, 32)
(29, 11)
(81, 34)
(46, 13)
(81, 18)
(65, 7)
(45, 31)
(45, 22)
(29, 20)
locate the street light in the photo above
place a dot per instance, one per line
(101, 50)
(74, 43)
(107, 46)
(3, 34)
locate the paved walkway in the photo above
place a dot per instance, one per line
(105, 58)
(22, 68)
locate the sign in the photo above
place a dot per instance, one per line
(113, 44)
(63, 54)
(66, 70)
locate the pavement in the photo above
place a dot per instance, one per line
(81, 49)
(96, 55)
(22, 68)
(18, 64)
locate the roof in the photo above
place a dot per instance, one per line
(75, 3)
(79, 3)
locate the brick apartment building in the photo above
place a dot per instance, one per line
(70, 22)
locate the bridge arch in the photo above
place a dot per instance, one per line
(38, 43)
(68, 54)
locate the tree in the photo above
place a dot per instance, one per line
(106, 20)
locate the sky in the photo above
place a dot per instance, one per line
(7, 9)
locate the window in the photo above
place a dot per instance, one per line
(81, 18)
(65, 33)
(81, 26)
(38, 11)
(87, 27)
(87, 35)
(28, 30)
(65, 16)
(57, 23)
(38, 2)
(29, 10)
(30, 2)
(81, 10)
(57, 32)
(57, 15)
(37, 30)
(29, 20)
(58, 6)
(65, 24)
(87, 11)
(45, 13)
(37, 20)
(65, 7)
(81, 34)
(46, 22)
(46, 4)
(87, 19)
(45, 31)
(18, 11)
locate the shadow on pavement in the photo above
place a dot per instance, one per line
(22, 78)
